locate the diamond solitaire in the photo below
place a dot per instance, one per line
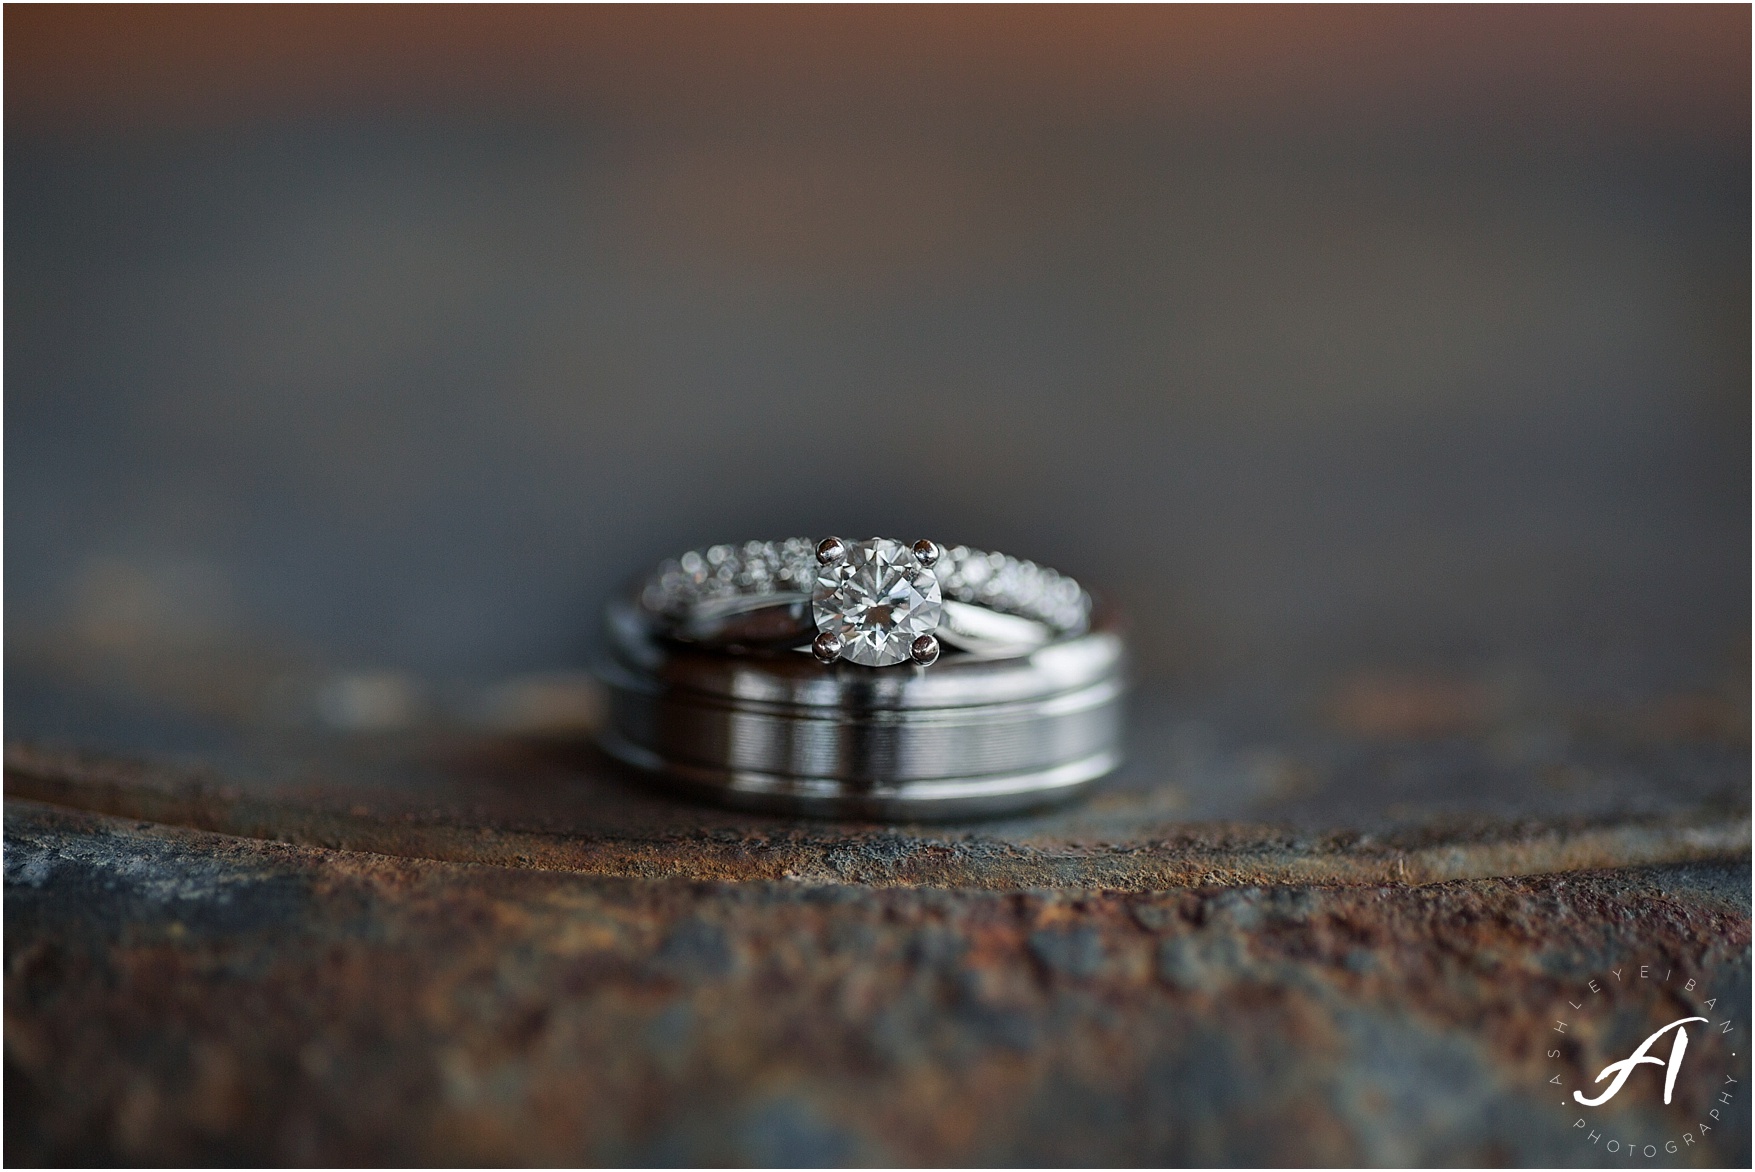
(876, 602)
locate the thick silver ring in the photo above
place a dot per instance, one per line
(779, 731)
(877, 602)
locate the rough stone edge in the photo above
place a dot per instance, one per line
(1244, 855)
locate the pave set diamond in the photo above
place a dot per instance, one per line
(877, 599)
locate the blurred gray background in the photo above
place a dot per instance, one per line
(1319, 341)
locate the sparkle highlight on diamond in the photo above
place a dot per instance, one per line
(877, 599)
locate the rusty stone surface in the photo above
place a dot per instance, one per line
(1326, 934)
(1364, 777)
(174, 995)
(587, 815)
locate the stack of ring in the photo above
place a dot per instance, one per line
(872, 678)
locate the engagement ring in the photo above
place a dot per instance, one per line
(877, 602)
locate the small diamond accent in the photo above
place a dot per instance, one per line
(877, 599)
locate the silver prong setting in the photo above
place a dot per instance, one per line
(827, 647)
(925, 650)
(831, 550)
(926, 552)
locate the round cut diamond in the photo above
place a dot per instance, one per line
(877, 600)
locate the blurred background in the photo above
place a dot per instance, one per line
(390, 341)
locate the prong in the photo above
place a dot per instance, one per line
(925, 650)
(926, 552)
(831, 550)
(827, 647)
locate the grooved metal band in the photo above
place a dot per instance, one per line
(782, 732)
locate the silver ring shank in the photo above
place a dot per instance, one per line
(783, 732)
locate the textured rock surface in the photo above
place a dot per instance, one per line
(1444, 810)
(1329, 940)
(174, 995)
(1322, 930)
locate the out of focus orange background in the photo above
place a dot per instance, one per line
(1317, 336)
(1675, 69)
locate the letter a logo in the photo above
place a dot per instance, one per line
(1625, 1067)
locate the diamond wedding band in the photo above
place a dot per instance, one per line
(875, 679)
(877, 603)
